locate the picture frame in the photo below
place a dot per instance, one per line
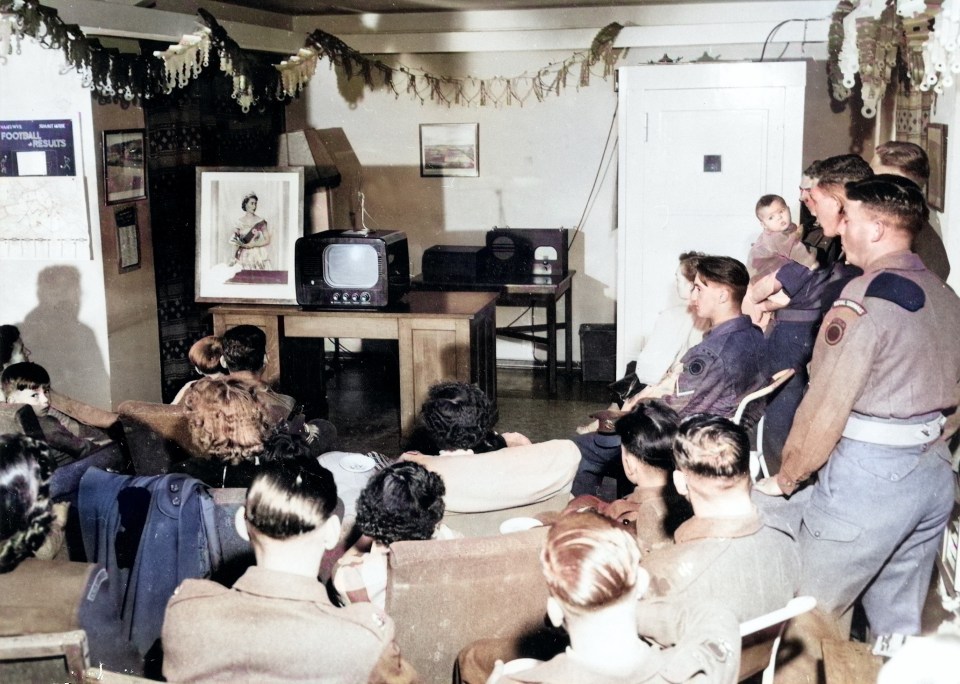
(450, 149)
(937, 155)
(124, 165)
(245, 248)
(128, 239)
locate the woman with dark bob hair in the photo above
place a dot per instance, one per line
(403, 502)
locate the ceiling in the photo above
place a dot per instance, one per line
(334, 7)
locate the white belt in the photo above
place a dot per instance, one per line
(893, 434)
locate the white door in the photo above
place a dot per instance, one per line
(699, 144)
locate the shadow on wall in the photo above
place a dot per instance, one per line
(62, 344)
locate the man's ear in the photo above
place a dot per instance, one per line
(629, 463)
(680, 483)
(331, 532)
(554, 612)
(223, 362)
(240, 523)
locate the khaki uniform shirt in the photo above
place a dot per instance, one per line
(274, 626)
(888, 348)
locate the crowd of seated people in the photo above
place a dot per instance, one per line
(855, 444)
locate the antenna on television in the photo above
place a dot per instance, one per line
(362, 230)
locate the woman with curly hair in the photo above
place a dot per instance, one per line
(458, 416)
(229, 424)
(403, 502)
(39, 595)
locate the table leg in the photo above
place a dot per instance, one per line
(552, 347)
(568, 329)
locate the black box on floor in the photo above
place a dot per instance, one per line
(598, 352)
(453, 264)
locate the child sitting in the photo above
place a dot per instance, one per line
(29, 383)
(779, 240)
(205, 357)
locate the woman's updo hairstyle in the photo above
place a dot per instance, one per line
(25, 508)
(291, 497)
(246, 198)
(457, 415)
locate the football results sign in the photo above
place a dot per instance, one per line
(37, 148)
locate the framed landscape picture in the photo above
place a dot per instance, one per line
(124, 165)
(248, 222)
(449, 150)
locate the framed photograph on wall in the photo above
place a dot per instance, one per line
(937, 152)
(449, 150)
(128, 239)
(248, 221)
(124, 165)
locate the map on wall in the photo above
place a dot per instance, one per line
(43, 203)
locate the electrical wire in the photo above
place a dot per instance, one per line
(600, 174)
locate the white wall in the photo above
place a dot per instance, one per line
(947, 111)
(68, 332)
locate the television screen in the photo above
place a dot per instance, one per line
(353, 265)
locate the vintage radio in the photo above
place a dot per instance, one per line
(517, 254)
(454, 264)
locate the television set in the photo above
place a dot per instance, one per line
(342, 269)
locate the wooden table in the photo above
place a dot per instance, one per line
(850, 662)
(543, 291)
(441, 336)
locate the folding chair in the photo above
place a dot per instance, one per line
(758, 466)
(760, 638)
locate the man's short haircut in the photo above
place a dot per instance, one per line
(768, 200)
(814, 170)
(9, 334)
(288, 498)
(589, 561)
(895, 197)
(25, 508)
(713, 447)
(24, 376)
(244, 348)
(458, 415)
(842, 169)
(688, 264)
(403, 502)
(647, 433)
(907, 157)
(228, 419)
(205, 355)
(722, 270)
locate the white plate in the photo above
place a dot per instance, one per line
(519, 665)
(357, 463)
(518, 525)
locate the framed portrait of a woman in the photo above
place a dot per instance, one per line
(248, 222)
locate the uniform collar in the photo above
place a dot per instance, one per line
(699, 527)
(741, 322)
(903, 260)
(283, 585)
(641, 494)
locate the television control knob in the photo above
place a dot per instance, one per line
(365, 297)
(335, 296)
(354, 297)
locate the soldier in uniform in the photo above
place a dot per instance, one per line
(886, 366)
(277, 622)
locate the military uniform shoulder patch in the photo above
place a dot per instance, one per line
(895, 288)
(856, 307)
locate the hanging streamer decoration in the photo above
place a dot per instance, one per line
(123, 77)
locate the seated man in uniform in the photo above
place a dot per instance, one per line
(277, 621)
(727, 552)
(592, 573)
(711, 377)
(654, 509)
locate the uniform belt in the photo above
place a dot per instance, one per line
(891, 433)
(798, 315)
